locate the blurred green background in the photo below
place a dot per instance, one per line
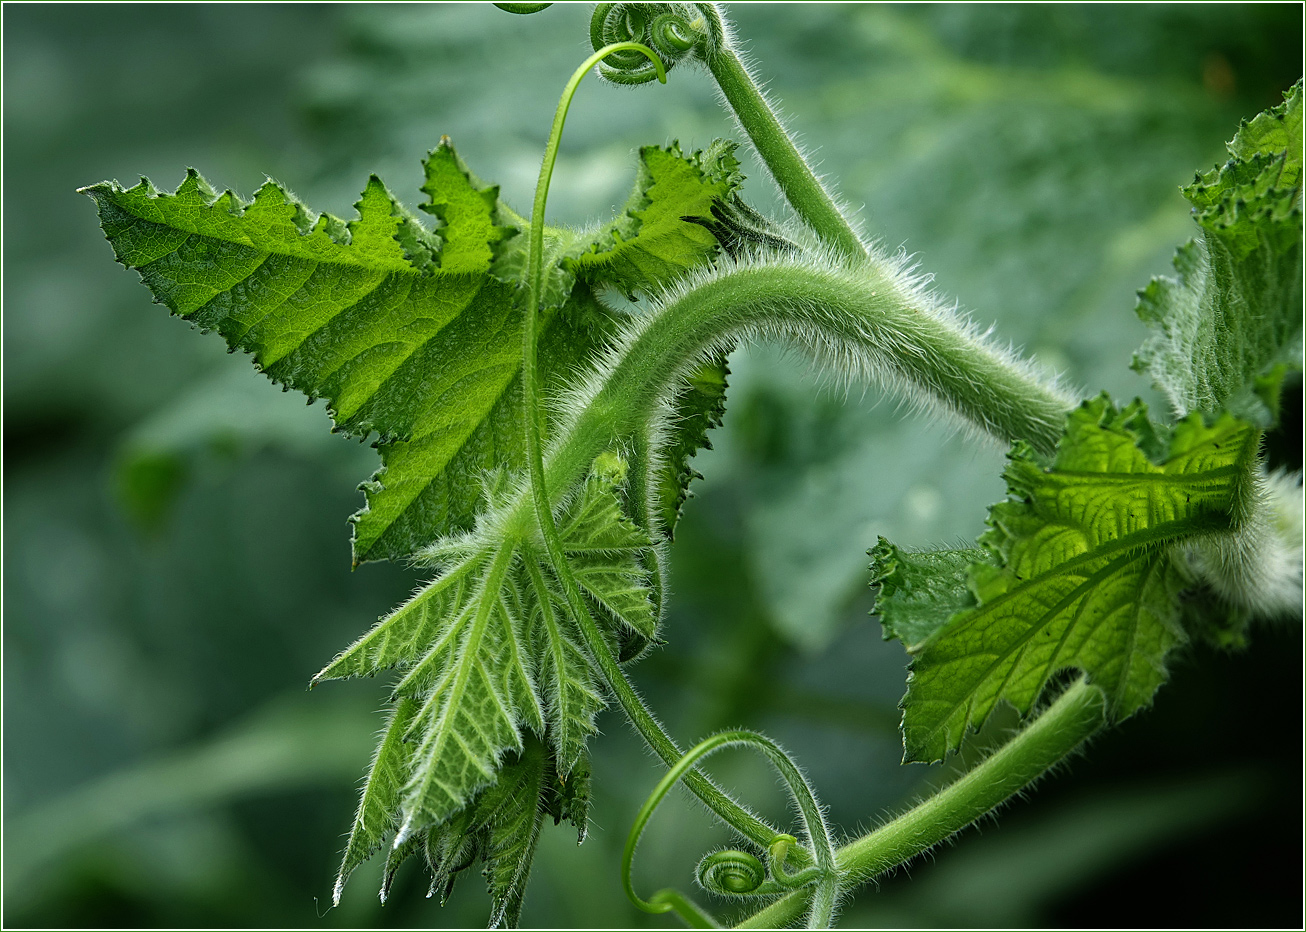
(176, 559)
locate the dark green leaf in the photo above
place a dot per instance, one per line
(698, 408)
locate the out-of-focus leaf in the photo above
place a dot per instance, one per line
(1228, 329)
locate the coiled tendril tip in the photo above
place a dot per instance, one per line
(673, 30)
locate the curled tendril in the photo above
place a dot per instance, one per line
(673, 30)
(731, 873)
(739, 873)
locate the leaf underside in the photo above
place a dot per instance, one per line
(491, 654)
(1077, 575)
(1228, 328)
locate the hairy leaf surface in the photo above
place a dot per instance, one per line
(1081, 575)
(1229, 326)
(491, 654)
(500, 828)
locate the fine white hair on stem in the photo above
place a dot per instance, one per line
(731, 45)
(874, 321)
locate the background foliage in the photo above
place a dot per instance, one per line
(176, 556)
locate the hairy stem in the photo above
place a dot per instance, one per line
(864, 320)
(1075, 716)
(535, 260)
(700, 31)
(790, 170)
(736, 816)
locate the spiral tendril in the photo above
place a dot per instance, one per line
(731, 873)
(739, 873)
(674, 30)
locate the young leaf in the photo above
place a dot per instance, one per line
(570, 696)
(1083, 575)
(607, 551)
(476, 693)
(1229, 327)
(378, 809)
(491, 655)
(512, 812)
(501, 828)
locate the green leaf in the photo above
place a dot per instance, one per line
(475, 691)
(405, 333)
(410, 334)
(378, 809)
(655, 239)
(570, 696)
(1228, 328)
(501, 828)
(491, 655)
(1083, 576)
(699, 407)
(918, 591)
(512, 812)
(608, 552)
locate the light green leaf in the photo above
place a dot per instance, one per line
(512, 812)
(476, 693)
(608, 552)
(566, 685)
(410, 334)
(1084, 576)
(1228, 328)
(378, 809)
(491, 655)
(501, 828)
(655, 239)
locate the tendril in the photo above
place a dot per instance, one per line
(535, 264)
(674, 31)
(731, 873)
(740, 873)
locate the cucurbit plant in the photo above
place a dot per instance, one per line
(535, 445)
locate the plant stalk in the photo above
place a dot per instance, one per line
(863, 318)
(790, 170)
(1076, 715)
